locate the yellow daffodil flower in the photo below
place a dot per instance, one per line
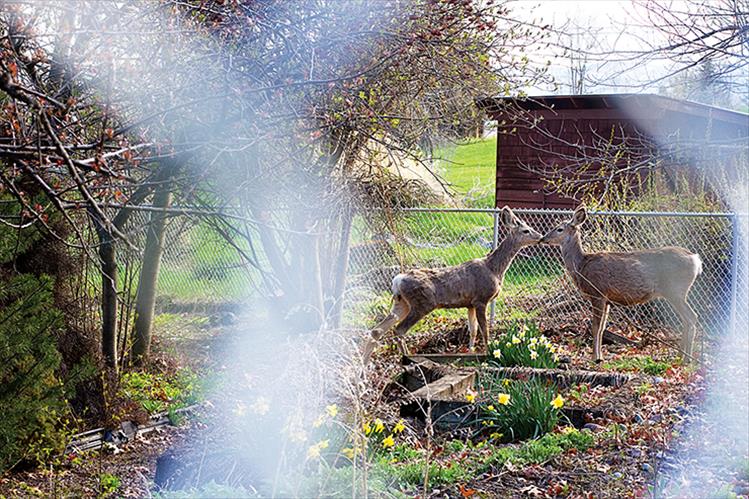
(324, 444)
(379, 426)
(515, 340)
(471, 397)
(497, 353)
(490, 407)
(348, 452)
(399, 427)
(558, 402)
(506, 382)
(332, 410)
(313, 452)
(496, 436)
(366, 427)
(388, 442)
(503, 398)
(319, 421)
(260, 406)
(534, 355)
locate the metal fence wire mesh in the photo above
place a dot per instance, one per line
(536, 287)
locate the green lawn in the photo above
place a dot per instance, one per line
(470, 168)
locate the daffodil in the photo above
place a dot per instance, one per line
(534, 355)
(297, 435)
(515, 340)
(503, 398)
(399, 427)
(324, 444)
(471, 397)
(558, 402)
(533, 342)
(332, 410)
(240, 409)
(313, 452)
(260, 406)
(497, 353)
(348, 452)
(388, 442)
(506, 382)
(490, 407)
(366, 427)
(319, 421)
(496, 436)
(379, 426)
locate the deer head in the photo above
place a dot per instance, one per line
(519, 231)
(563, 232)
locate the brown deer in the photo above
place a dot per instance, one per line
(473, 285)
(627, 278)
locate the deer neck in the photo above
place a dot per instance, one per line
(502, 257)
(573, 254)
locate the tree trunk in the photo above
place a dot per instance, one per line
(341, 267)
(107, 254)
(146, 296)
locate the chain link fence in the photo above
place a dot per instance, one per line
(536, 287)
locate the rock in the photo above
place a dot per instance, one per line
(634, 452)
(595, 428)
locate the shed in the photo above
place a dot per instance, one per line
(557, 130)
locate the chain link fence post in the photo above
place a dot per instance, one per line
(734, 269)
(495, 242)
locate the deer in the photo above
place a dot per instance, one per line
(472, 285)
(627, 278)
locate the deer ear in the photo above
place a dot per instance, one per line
(581, 214)
(508, 217)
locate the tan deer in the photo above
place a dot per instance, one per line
(627, 278)
(472, 285)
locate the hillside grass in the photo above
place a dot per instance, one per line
(470, 168)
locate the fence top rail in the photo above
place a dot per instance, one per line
(540, 211)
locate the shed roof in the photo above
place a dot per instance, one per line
(628, 102)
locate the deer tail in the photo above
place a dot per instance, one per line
(697, 263)
(396, 286)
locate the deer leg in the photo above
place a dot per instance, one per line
(481, 313)
(600, 314)
(472, 328)
(412, 318)
(689, 321)
(398, 312)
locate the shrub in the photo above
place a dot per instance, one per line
(31, 395)
(521, 409)
(523, 345)
(156, 392)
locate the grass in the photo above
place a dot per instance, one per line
(401, 470)
(471, 169)
(644, 364)
(156, 392)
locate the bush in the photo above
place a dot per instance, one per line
(521, 409)
(523, 345)
(31, 395)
